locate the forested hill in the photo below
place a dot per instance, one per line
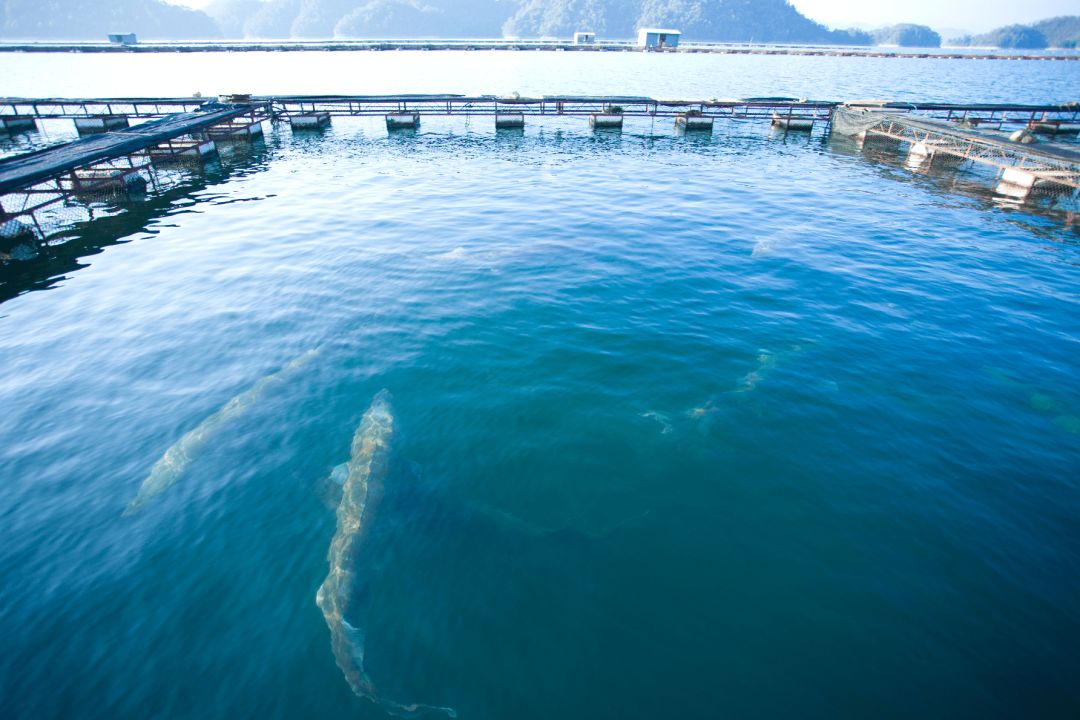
(1058, 32)
(763, 21)
(907, 35)
(94, 19)
(319, 19)
(700, 20)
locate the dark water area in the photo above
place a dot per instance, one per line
(748, 424)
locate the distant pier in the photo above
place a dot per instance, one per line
(526, 45)
(186, 129)
(111, 161)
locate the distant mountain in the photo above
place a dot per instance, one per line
(1058, 32)
(762, 21)
(232, 16)
(1061, 32)
(704, 20)
(415, 18)
(389, 19)
(1022, 37)
(72, 20)
(907, 35)
(699, 20)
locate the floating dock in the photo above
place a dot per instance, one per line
(1021, 167)
(525, 45)
(112, 161)
(187, 129)
(1066, 117)
(516, 110)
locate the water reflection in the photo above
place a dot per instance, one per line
(15, 142)
(107, 223)
(970, 181)
(47, 133)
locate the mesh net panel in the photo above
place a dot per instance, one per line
(846, 121)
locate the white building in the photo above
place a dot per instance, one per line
(658, 38)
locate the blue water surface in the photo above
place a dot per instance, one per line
(744, 425)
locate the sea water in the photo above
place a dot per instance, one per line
(745, 425)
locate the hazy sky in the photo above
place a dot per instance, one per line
(971, 15)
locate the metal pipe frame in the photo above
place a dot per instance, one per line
(80, 182)
(449, 105)
(66, 185)
(1003, 157)
(129, 107)
(980, 115)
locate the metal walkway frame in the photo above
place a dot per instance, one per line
(284, 106)
(550, 105)
(1052, 165)
(108, 162)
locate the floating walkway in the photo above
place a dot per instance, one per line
(1022, 167)
(30, 109)
(123, 160)
(24, 111)
(112, 161)
(524, 45)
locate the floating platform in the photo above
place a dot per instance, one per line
(792, 123)
(1022, 167)
(535, 107)
(179, 151)
(309, 109)
(509, 120)
(936, 133)
(311, 121)
(17, 122)
(520, 45)
(403, 121)
(22, 170)
(100, 123)
(243, 129)
(692, 123)
(1047, 127)
(97, 107)
(606, 121)
(109, 163)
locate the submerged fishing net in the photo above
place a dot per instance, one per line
(851, 122)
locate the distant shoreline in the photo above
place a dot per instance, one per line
(530, 45)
